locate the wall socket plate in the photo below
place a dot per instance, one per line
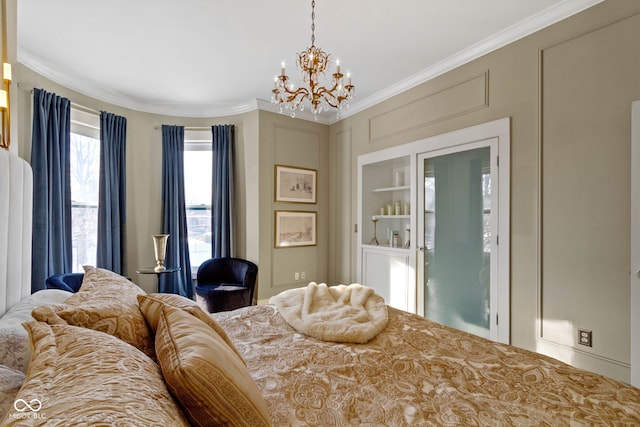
(585, 337)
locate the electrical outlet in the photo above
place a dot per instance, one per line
(296, 275)
(585, 337)
(303, 275)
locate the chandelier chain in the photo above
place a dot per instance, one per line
(313, 22)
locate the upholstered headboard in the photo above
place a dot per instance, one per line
(16, 193)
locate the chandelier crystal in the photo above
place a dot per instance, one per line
(312, 64)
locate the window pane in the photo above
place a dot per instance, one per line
(486, 209)
(197, 182)
(85, 164)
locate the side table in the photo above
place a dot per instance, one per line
(157, 273)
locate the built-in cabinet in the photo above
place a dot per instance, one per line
(388, 271)
(397, 254)
(386, 251)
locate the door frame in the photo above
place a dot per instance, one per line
(494, 291)
(635, 246)
(501, 130)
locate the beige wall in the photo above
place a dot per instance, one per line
(299, 143)
(568, 90)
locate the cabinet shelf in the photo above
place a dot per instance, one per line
(389, 189)
(387, 248)
(391, 217)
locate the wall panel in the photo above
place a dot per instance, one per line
(455, 100)
(587, 90)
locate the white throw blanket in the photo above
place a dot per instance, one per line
(353, 313)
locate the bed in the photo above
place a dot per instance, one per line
(417, 372)
(111, 354)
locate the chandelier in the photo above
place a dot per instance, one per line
(312, 63)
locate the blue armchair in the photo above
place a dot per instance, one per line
(69, 282)
(224, 284)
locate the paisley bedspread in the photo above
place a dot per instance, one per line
(417, 372)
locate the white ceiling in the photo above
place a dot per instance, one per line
(207, 58)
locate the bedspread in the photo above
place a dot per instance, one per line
(417, 372)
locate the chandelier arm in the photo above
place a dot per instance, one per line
(329, 98)
(297, 95)
(329, 91)
(300, 91)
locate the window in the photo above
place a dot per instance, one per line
(197, 183)
(430, 210)
(84, 169)
(486, 210)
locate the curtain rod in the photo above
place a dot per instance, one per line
(25, 87)
(189, 127)
(86, 109)
(73, 104)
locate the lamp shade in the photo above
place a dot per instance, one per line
(6, 71)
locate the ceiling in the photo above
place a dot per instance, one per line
(209, 58)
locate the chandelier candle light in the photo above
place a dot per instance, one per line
(312, 63)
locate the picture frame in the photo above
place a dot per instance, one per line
(295, 185)
(295, 229)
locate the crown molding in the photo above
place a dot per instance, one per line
(520, 30)
(323, 118)
(108, 95)
(516, 32)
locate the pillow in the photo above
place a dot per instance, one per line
(151, 307)
(10, 383)
(106, 302)
(211, 383)
(123, 321)
(99, 279)
(79, 376)
(14, 351)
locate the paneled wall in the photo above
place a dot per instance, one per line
(568, 91)
(585, 231)
(297, 143)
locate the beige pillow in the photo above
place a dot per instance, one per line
(105, 302)
(105, 280)
(151, 307)
(212, 384)
(79, 376)
(114, 317)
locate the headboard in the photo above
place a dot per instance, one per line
(16, 201)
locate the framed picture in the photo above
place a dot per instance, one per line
(295, 185)
(295, 228)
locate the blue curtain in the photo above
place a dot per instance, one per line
(112, 193)
(174, 215)
(50, 151)
(222, 204)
